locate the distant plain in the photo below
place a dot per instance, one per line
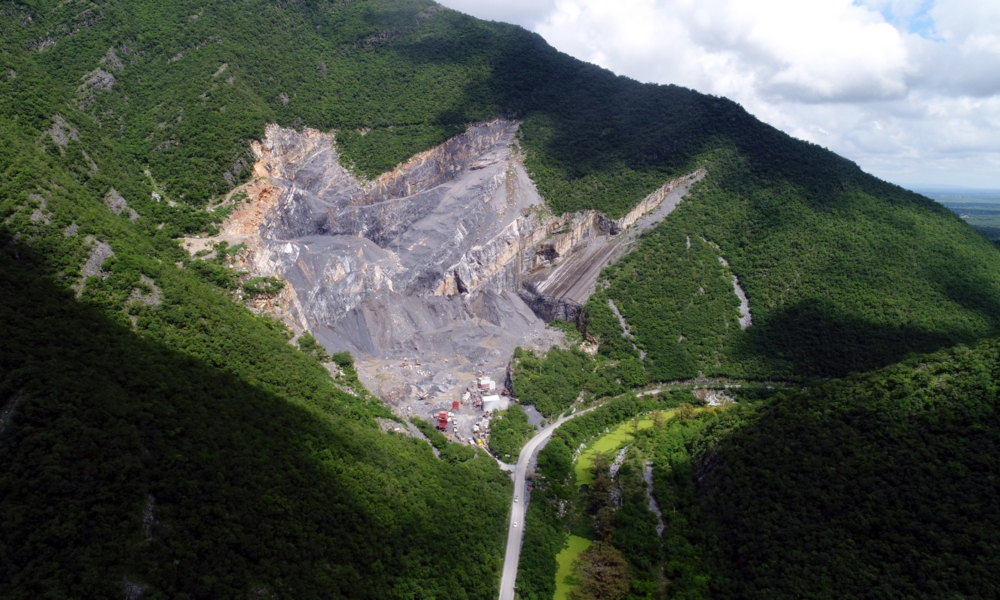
(980, 208)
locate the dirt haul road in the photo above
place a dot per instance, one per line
(515, 531)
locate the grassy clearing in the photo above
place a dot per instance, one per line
(564, 576)
(607, 443)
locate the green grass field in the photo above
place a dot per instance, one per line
(564, 576)
(607, 443)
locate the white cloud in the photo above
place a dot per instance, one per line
(808, 51)
(521, 12)
(909, 89)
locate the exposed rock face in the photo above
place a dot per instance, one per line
(566, 265)
(369, 262)
(7, 410)
(150, 298)
(95, 81)
(112, 61)
(99, 252)
(746, 319)
(149, 518)
(447, 259)
(39, 216)
(62, 132)
(117, 204)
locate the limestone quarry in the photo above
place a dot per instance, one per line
(451, 259)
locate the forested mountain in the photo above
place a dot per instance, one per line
(216, 463)
(881, 485)
(178, 90)
(157, 435)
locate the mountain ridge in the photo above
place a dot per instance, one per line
(258, 458)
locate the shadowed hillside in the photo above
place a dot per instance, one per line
(128, 463)
(157, 434)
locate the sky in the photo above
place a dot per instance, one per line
(908, 89)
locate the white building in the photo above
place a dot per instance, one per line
(491, 403)
(494, 402)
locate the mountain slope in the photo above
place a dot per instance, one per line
(131, 462)
(805, 231)
(838, 280)
(882, 484)
(121, 121)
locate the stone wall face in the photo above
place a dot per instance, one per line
(446, 255)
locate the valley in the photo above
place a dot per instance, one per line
(251, 251)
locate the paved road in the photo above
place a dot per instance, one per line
(515, 531)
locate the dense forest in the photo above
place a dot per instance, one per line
(160, 101)
(883, 483)
(554, 381)
(556, 506)
(213, 463)
(509, 432)
(838, 280)
(877, 485)
(159, 437)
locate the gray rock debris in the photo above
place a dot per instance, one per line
(149, 518)
(99, 253)
(366, 259)
(112, 61)
(117, 204)
(617, 463)
(407, 429)
(96, 80)
(746, 319)
(431, 10)
(93, 166)
(39, 215)
(62, 132)
(71, 230)
(451, 256)
(571, 262)
(133, 591)
(150, 299)
(626, 328)
(99, 79)
(648, 476)
(8, 411)
(42, 44)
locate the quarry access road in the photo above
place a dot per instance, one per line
(515, 530)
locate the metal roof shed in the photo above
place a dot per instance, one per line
(491, 403)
